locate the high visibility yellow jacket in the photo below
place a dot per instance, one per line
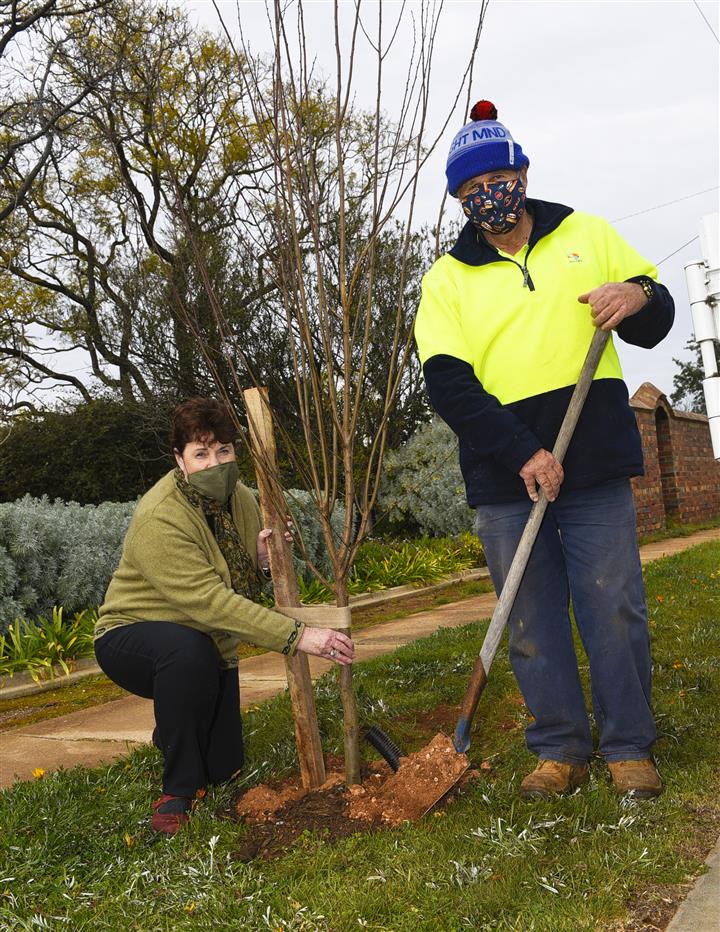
(502, 339)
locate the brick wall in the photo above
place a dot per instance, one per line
(682, 479)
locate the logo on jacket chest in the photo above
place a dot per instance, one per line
(574, 257)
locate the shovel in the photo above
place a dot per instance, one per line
(478, 679)
(506, 600)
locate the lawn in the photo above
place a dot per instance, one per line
(77, 852)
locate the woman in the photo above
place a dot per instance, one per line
(182, 600)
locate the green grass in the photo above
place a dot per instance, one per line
(76, 851)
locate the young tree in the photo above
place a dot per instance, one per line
(336, 180)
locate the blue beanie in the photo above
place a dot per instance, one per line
(483, 145)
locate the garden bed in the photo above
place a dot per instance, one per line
(280, 813)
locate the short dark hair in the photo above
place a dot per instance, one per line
(200, 418)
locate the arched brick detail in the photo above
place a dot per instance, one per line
(666, 462)
(682, 478)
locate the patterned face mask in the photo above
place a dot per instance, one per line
(495, 206)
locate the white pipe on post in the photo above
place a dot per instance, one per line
(703, 284)
(710, 243)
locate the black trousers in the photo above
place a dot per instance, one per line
(197, 703)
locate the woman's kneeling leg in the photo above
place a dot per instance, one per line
(225, 748)
(178, 667)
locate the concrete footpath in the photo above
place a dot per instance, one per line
(700, 910)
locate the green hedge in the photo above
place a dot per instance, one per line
(95, 452)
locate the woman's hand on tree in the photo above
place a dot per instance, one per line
(327, 643)
(262, 538)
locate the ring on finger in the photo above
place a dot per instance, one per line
(333, 652)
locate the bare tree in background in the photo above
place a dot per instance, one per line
(36, 96)
(89, 246)
(335, 179)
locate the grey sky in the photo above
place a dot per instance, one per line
(615, 103)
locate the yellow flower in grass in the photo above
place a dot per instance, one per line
(190, 908)
(38, 773)
(678, 665)
(129, 840)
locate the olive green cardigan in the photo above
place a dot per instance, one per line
(172, 569)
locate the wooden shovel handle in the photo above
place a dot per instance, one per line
(514, 577)
(478, 682)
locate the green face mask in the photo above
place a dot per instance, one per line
(216, 482)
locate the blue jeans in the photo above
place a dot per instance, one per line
(586, 551)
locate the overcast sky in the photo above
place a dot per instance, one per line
(615, 104)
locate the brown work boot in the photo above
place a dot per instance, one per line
(638, 777)
(551, 778)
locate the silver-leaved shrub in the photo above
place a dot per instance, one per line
(304, 513)
(62, 553)
(422, 485)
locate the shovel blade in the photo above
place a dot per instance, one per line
(461, 740)
(449, 769)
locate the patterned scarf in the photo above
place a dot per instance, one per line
(243, 577)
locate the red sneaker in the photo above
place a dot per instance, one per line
(170, 813)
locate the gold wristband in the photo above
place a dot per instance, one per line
(647, 287)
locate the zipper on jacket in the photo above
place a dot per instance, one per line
(527, 280)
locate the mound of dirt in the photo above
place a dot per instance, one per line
(279, 813)
(422, 779)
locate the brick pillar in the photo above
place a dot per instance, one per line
(668, 476)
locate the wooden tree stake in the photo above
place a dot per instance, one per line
(262, 439)
(332, 616)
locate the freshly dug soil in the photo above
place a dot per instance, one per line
(279, 813)
(423, 779)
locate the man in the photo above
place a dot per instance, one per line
(504, 324)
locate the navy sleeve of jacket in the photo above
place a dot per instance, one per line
(476, 416)
(652, 323)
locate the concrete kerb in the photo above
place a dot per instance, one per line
(22, 684)
(700, 910)
(25, 685)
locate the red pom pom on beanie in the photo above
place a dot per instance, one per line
(484, 110)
